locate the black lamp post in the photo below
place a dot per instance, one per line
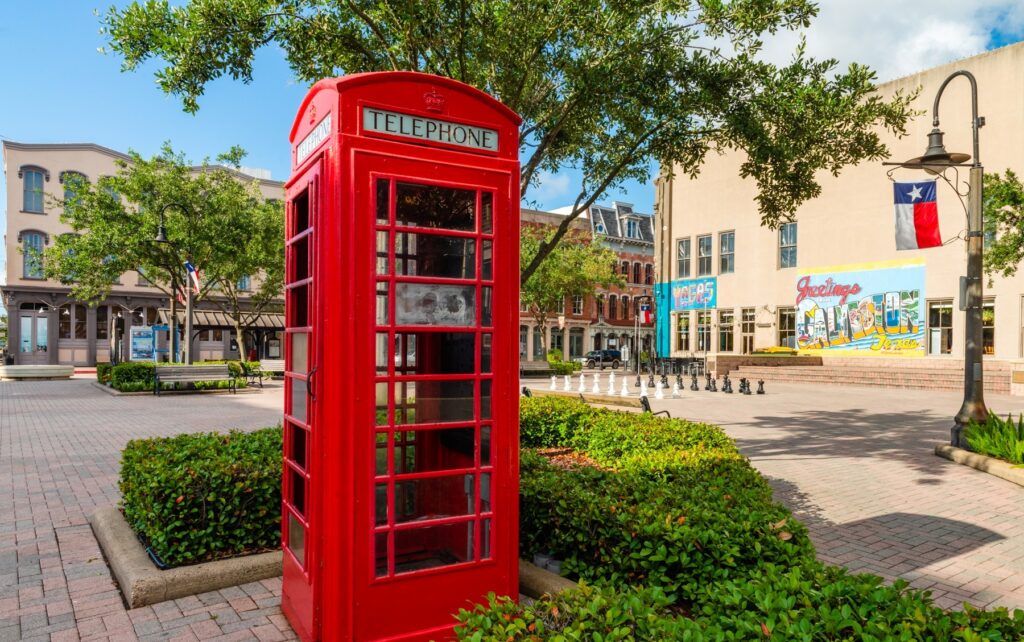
(936, 160)
(161, 237)
(636, 334)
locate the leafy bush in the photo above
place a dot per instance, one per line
(1000, 438)
(103, 372)
(195, 497)
(565, 367)
(554, 354)
(552, 421)
(132, 372)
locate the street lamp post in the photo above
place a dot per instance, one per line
(936, 160)
(161, 237)
(636, 333)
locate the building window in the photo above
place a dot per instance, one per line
(704, 255)
(636, 273)
(683, 258)
(73, 183)
(243, 283)
(143, 282)
(988, 327)
(940, 327)
(787, 327)
(32, 254)
(625, 308)
(787, 245)
(575, 343)
(33, 186)
(538, 342)
(72, 321)
(612, 310)
(649, 274)
(703, 331)
(577, 305)
(600, 308)
(524, 306)
(625, 269)
(683, 331)
(632, 230)
(102, 323)
(524, 333)
(726, 253)
(725, 321)
(747, 330)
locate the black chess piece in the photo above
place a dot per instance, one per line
(679, 380)
(707, 381)
(760, 387)
(727, 384)
(693, 382)
(746, 387)
(664, 379)
(714, 385)
(650, 379)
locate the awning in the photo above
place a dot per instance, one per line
(218, 319)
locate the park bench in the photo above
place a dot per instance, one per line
(252, 375)
(534, 368)
(192, 374)
(275, 366)
(645, 405)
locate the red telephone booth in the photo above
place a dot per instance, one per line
(400, 492)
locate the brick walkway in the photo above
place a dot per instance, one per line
(59, 450)
(857, 466)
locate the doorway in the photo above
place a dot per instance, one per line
(33, 335)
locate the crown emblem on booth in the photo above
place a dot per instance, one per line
(434, 101)
(312, 114)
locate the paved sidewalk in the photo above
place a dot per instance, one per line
(60, 443)
(857, 466)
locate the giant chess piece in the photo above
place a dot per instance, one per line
(643, 388)
(625, 386)
(746, 387)
(727, 384)
(554, 383)
(658, 391)
(675, 390)
(611, 383)
(650, 379)
(714, 385)
(693, 382)
(596, 389)
(760, 386)
(566, 384)
(707, 381)
(583, 383)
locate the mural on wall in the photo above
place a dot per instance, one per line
(694, 294)
(872, 309)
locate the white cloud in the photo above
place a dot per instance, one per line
(900, 37)
(550, 187)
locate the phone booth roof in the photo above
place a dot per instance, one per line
(408, 107)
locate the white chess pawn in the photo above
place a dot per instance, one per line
(611, 384)
(625, 387)
(583, 384)
(658, 392)
(675, 390)
(597, 384)
(554, 382)
(643, 388)
(565, 384)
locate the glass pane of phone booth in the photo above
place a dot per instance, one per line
(432, 460)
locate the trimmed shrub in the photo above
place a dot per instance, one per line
(1000, 438)
(103, 372)
(124, 375)
(201, 496)
(545, 422)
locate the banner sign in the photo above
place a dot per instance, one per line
(873, 309)
(694, 294)
(142, 344)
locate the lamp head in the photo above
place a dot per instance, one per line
(161, 235)
(936, 159)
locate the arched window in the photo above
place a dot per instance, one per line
(244, 284)
(649, 274)
(625, 269)
(32, 183)
(612, 300)
(72, 181)
(636, 273)
(32, 244)
(625, 308)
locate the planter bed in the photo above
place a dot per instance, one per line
(1001, 469)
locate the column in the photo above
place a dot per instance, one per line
(90, 335)
(529, 343)
(14, 329)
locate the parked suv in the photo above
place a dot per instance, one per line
(595, 358)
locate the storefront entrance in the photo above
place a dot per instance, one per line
(33, 336)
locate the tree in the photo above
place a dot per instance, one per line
(575, 267)
(605, 87)
(1003, 206)
(213, 217)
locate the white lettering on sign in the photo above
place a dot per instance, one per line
(440, 131)
(313, 139)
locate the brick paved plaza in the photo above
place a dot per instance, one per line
(855, 464)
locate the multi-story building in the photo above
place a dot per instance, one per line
(607, 319)
(831, 282)
(46, 325)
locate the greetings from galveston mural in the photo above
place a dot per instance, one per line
(869, 309)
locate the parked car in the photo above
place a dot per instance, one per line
(595, 358)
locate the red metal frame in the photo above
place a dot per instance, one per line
(434, 476)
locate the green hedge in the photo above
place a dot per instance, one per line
(136, 376)
(103, 372)
(999, 438)
(200, 496)
(674, 509)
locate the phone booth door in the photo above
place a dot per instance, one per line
(429, 519)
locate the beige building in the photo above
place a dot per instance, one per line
(832, 283)
(46, 326)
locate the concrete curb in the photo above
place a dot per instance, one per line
(535, 581)
(984, 463)
(142, 393)
(608, 400)
(142, 583)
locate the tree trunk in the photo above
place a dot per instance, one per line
(240, 339)
(172, 325)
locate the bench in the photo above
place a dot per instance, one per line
(645, 405)
(275, 366)
(534, 368)
(252, 375)
(192, 374)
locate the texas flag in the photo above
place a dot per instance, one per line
(917, 216)
(645, 314)
(194, 275)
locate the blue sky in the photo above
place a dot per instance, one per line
(61, 89)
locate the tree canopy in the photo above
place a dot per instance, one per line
(603, 87)
(1003, 204)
